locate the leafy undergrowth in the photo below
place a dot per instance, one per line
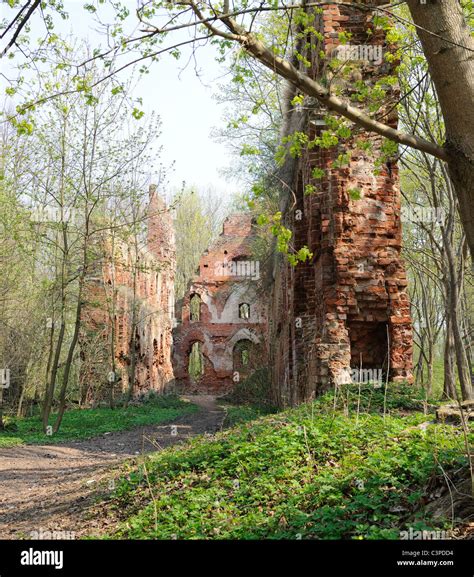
(249, 399)
(395, 397)
(308, 472)
(87, 423)
(236, 415)
(255, 391)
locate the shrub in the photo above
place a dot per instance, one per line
(254, 390)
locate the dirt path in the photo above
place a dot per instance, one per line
(50, 487)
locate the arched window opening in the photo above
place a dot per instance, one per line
(244, 311)
(195, 308)
(242, 355)
(196, 361)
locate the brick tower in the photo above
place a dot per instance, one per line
(347, 308)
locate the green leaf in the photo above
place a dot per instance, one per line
(137, 113)
(354, 193)
(317, 173)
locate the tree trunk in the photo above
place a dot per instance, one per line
(452, 69)
(453, 301)
(429, 382)
(50, 386)
(112, 314)
(133, 363)
(133, 337)
(77, 326)
(1, 410)
(70, 357)
(449, 387)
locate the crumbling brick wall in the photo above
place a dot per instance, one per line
(347, 307)
(129, 313)
(222, 326)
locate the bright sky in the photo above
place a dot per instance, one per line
(189, 112)
(183, 100)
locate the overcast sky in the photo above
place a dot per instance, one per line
(183, 100)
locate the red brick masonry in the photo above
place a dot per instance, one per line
(123, 312)
(227, 279)
(349, 306)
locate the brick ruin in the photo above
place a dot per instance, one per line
(348, 307)
(223, 317)
(128, 318)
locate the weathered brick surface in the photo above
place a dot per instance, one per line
(146, 303)
(227, 278)
(348, 307)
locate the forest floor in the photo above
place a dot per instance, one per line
(50, 487)
(367, 463)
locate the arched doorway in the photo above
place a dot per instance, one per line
(243, 357)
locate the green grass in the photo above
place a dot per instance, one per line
(308, 472)
(87, 423)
